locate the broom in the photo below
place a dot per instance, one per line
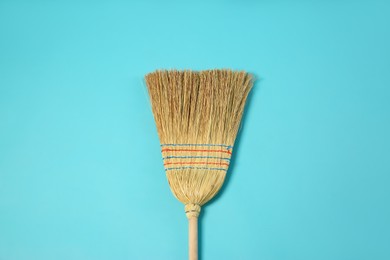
(197, 114)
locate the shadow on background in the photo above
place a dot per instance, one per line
(257, 80)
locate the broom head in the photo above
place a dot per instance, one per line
(197, 114)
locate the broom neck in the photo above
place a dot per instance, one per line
(192, 210)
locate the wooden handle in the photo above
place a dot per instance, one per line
(193, 238)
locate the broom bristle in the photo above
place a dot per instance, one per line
(197, 114)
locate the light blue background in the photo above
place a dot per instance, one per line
(81, 175)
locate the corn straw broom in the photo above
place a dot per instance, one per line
(197, 114)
